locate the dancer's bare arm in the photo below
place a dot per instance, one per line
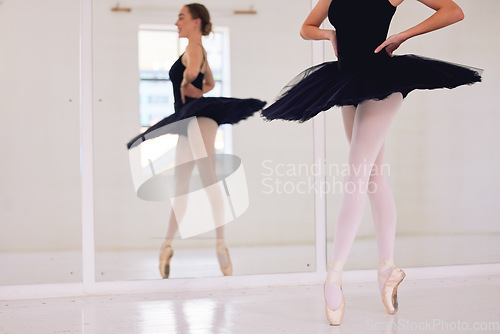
(447, 12)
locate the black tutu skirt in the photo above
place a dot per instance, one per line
(223, 110)
(323, 86)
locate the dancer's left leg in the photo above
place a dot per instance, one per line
(208, 128)
(203, 150)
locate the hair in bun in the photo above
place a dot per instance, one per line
(199, 11)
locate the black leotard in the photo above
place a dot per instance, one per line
(176, 74)
(358, 37)
(360, 74)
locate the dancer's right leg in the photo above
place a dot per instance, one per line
(181, 178)
(333, 294)
(182, 173)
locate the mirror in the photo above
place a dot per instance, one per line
(441, 152)
(250, 58)
(40, 215)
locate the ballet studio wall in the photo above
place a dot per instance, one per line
(441, 148)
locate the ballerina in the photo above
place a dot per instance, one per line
(369, 83)
(191, 77)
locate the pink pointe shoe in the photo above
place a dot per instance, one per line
(390, 290)
(166, 253)
(225, 264)
(334, 317)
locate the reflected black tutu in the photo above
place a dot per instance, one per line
(323, 86)
(223, 110)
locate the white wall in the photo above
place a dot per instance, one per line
(39, 113)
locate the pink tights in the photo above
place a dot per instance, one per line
(190, 148)
(366, 128)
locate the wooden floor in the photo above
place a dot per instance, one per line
(443, 305)
(458, 301)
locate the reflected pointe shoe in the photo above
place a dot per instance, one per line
(334, 317)
(224, 260)
(166, 253)
(390, 290)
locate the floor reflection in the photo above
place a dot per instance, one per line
(425, 305)
(201, 315)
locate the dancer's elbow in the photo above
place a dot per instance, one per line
(303, 33)
(459, 14)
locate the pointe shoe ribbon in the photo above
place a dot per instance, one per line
(334, 317)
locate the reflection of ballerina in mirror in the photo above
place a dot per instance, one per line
(369, 85)
(191, 77)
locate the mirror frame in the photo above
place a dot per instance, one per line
(91, 286)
